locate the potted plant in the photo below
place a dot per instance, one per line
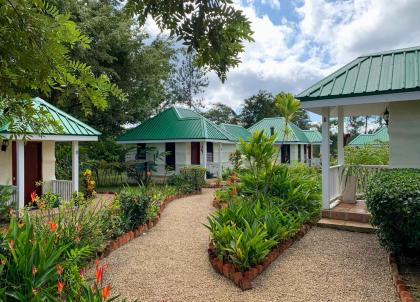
(349, 178)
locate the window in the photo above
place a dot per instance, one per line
(141, 151)
(170, 155)
(271, 130)
(210, 154)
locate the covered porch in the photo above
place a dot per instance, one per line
(385, 84)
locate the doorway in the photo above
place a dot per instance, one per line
(195, 153)
(170, 155)
(33, 168)
(285, 154)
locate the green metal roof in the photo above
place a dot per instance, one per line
(313, 136)
(277, 123)
(379, 73)
(70, 124)
(380, 136)
(237, 131)
(176, 124)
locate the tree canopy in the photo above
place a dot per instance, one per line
(215, 30)
(220, 113)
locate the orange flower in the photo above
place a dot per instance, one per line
(53, 226)
(59, 269)
(97, 262)
(11, 245)
(60, 286)
(98, 274)
(34, 270)
(149, 173)
(105, 292)
(33, 196)
(11, 211)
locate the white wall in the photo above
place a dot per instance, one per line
(6, 166)
(294, 153)
(404, 134)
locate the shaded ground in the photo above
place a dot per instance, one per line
(170, 263)
(411, 274)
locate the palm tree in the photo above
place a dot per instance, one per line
(288, 107)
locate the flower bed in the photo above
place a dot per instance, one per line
(243, 279)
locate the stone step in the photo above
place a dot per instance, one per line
(352, 226)
(346, 215)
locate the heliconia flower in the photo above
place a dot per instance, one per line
(52, 225)
(60, 286)
(33, 196)
(59, 269)
(97, 262)
(98, 274)
(11, 211)
(34, 270)
(105, 292)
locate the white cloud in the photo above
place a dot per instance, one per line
(327, 35)
(275, 4)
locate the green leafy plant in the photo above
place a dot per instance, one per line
(6, 202)
(393, 199)
(133, 204)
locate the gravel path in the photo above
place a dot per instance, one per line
(170, 263)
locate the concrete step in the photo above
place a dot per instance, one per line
(352, 226)
(346, 215)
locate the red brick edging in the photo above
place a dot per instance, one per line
(130, 235)
(244, 279)
(400, 285)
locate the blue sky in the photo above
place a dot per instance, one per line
(299, 42)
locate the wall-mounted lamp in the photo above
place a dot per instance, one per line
(4, 145)
(386, 116)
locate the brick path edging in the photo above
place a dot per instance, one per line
(399, 283)
(140, 230)
(244, 279)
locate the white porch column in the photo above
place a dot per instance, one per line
(219, 151)
(75, 166)
(325, 150)
(20, 173)
(340, 136)
(205, 157)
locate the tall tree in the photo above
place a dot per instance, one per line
(188, 82)
(221, 113)
(215, 30)
(262, 105)
(354, 124)
(118, 50)
(35, 58)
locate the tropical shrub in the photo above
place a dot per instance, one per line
(393, 199)
(236, 159)
(244, 232)
(189, 180)
(89, 184)
(133, 204)
(367, 155)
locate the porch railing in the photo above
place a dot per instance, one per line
(364, 173)
(63, 188)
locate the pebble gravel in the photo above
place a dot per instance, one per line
(170, 263)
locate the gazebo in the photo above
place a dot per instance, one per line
(385, 83)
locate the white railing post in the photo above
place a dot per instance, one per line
(220, 159)
(20, 173)
(325, 149)
(75, 166)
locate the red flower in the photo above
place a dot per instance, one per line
(82, 273)
(60, 286)
(105, 292)
(98, 274)
(53, 226)
(33, 196)
(11, 211)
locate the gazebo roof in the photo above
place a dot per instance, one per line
(384, 72)
(71, 126)
(380, 136)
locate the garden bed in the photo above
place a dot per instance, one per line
(244, 279)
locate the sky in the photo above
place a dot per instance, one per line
(298, 42)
